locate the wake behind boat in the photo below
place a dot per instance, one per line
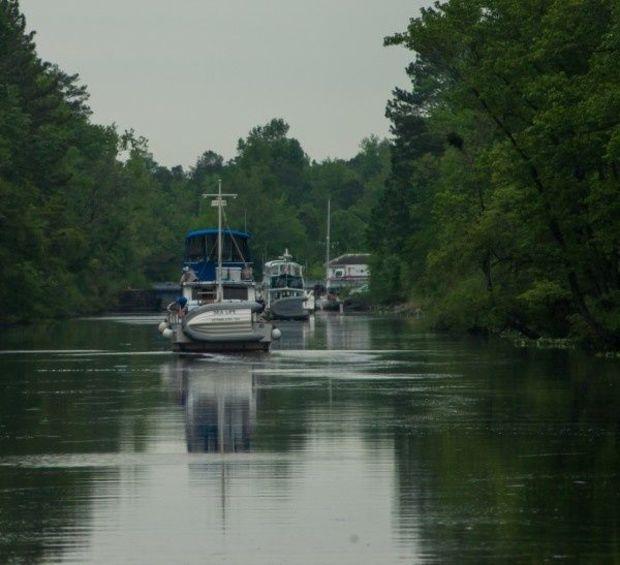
(219, 309)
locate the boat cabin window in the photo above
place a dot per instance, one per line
(235, 293)
(211, 248)
(286, 281)
(285, 269)
(201, 248)
(232, 251)
(195, 248)
(206, 294)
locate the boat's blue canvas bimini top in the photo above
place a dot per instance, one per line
(201, 251)
(213, 231)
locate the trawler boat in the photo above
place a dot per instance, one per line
(283, 287)
(219, 310)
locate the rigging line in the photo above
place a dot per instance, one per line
(245, 263)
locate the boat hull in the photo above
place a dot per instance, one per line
(222, 327)
(221, 347)
(290, 308)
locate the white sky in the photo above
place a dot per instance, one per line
(192, 75)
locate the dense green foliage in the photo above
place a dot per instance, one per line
(496, 206)
(86, 211)
(502, 210)
(284, 195)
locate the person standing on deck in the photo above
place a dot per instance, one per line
(188, 276)
(178, 307)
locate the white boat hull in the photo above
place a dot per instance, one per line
(290, 308)
(225, 326)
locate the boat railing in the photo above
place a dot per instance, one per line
(292, 289)
(205, 295)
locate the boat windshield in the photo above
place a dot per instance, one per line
(284, 269)
(195, 249)
(204, 248)
(287, 281)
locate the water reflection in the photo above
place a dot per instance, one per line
(520, 451)
(342, 332)
(219, 401)
(359, 440)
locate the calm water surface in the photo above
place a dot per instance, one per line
(357, 440)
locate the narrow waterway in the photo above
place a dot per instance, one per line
(358, 440)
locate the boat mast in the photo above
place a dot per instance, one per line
(329, 210)
(219, 203)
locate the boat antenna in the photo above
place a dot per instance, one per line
(219, 203)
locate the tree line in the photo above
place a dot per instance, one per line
(86, 211)
(495, 205)
(502, 208)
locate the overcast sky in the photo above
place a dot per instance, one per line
(192, 75)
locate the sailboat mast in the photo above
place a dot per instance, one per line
(219, 203)
(329, 210)
(220, 290)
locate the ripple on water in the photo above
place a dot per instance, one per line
(99, 460)
(442, 451)
(49, 351)
(351, 375)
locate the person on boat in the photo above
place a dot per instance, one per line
(188, 276)
(179, 306)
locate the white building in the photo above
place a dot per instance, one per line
(350, 269)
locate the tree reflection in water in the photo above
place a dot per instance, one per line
(366, 437)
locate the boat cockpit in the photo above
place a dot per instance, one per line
(201, 255)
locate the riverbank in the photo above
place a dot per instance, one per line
(404, 310)
(520, 341)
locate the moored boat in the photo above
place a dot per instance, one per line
(219, 309)
(283, 289)
(329, 301)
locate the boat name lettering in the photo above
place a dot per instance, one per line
(242, 315)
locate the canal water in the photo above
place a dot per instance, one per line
(358, 440)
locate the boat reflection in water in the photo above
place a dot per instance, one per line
(346, 332)
(220, 405)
